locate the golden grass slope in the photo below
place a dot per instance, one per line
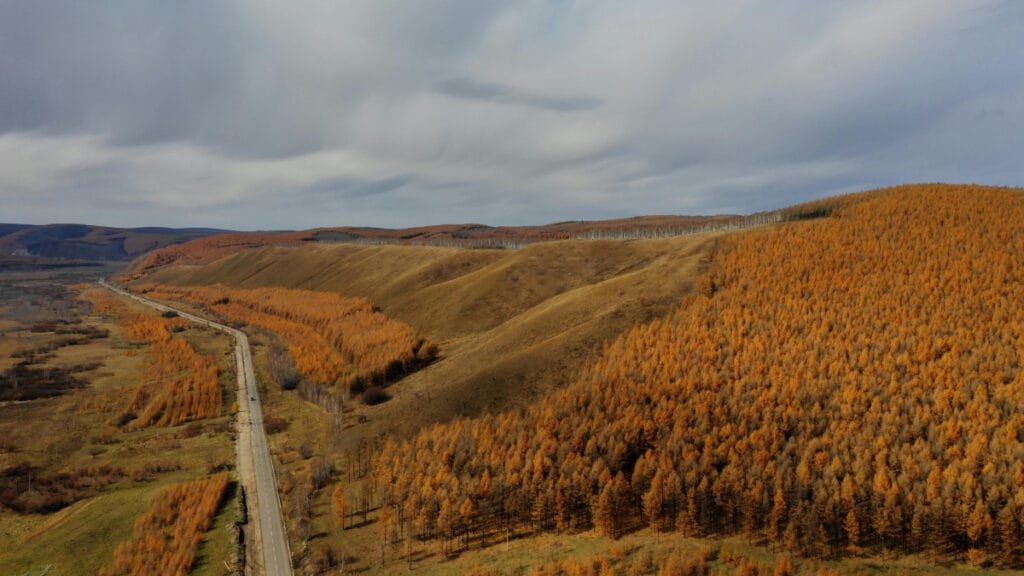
(509, 323)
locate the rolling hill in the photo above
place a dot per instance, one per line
(510, 323)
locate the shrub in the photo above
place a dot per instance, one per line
(273, 424)
(123, 420)
(375, 395)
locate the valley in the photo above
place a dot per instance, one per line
(541, 288)
(835, 391)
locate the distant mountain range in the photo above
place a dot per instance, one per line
(81, 242)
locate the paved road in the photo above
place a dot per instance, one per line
(271, 554)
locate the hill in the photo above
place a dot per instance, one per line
(847, 383)
(78, 242)
(509, 323)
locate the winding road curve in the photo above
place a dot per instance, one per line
(268, 544)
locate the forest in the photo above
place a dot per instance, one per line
(845, 384)
(166, 539)
(337, 343)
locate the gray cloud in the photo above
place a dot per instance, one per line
(504, 94)
(272, 115)
(342, 187)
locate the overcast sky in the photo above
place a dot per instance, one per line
(270, 114)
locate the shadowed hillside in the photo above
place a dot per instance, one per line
(84, 242)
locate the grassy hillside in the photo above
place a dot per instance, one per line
(842, 389)
(509, 323)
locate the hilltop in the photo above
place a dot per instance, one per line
(207, 250)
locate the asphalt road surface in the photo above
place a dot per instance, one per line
(268, 543)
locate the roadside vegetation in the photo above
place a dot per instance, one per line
(179, 385)
(340, 346)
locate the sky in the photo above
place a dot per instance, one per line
(263, 114)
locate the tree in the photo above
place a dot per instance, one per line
(1011, 552)
(183, 510)
(784, 567)
(777, 517)
(852, 526)
(384, 521)
(979, 522)
(445, 524)
(606, 513)
(654, 504)
(339, 503)
(469, 511)
(791, 537)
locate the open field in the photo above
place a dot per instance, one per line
(73, 482)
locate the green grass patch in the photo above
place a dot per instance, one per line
(80, 539)
(218, 548)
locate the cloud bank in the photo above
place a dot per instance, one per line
(265, 114)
